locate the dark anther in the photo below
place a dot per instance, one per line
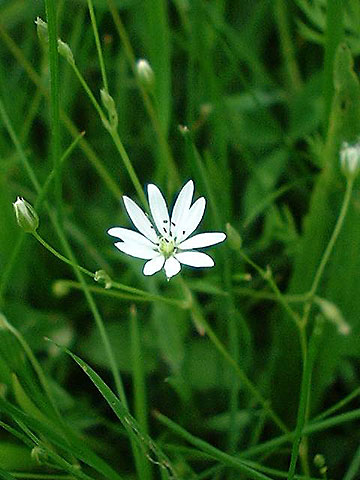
(183, 232)
(151, 227)
(173, 224)
(165, 221)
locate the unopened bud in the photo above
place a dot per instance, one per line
(26, 216)
(42, 31)
(233, 236)
(39, 455)
(104, 278)
(65, 51)
(145, 73)
(109, 104)
(320, 463)
(332, 313)
(350, 159)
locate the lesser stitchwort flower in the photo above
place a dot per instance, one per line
(165, 242)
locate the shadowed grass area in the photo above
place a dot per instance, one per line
(246, 370)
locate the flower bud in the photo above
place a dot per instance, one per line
(39, 455)
(26, 216)
(104, 278)
(145, 73)
(42, 31)
(320, 463)
(234, 238)
(350, 159)
(65, 51)
(109, 104)
(332, 313)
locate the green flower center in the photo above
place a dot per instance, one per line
(166, 247)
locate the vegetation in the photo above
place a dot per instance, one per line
(247, 370)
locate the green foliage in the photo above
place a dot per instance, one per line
(245, 370)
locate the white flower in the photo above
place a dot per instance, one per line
(165, 242)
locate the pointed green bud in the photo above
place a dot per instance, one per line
(65, 51)
(145, 74)
(233, 236)
(350, 159)
(42, 31)
(109, 104)
(26, 216)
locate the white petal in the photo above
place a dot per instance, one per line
(192, 220)
(172, 267)
(130, 236)
(154, 265)
(159, 210)
(181, 207)
(139, 219)
(202, 240)
(136, 250)
(195, 259)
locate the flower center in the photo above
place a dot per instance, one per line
(166, 247)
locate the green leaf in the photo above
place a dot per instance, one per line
(72, 445)
(127, 420)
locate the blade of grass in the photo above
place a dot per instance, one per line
(209, 449)
(78, 448)
(140, 401)
(122, 413)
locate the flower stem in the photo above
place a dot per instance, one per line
(268, 277)
(202, 323)
(98, 45)
(328, 250)
(54, 98)
(304, 396)
(61, 257)
(114, 135)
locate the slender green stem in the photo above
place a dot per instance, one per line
(337, 406)
(61, 257)
(85, 146)
(267, 276)
(4, 279)
(328, 250)
(54, 96)
(140, 401)
(203, 325)
(136, 296)
(89, 93)
(115, 136)
(265, 295)
(304, 396)
(214, 452)
(128, 165)
(151, 111)
(98, 45)
(72, 261)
